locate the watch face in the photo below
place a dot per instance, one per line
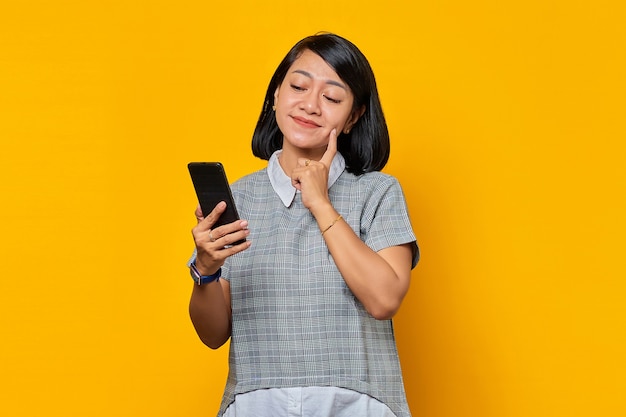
(195, 274)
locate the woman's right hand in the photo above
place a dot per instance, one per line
(214, 245)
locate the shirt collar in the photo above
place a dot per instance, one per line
(281, 182)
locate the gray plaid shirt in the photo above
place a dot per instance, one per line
(295, 321)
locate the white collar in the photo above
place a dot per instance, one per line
(281, 182)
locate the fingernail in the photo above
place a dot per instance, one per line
(244, 224)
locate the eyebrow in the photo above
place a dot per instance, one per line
(331, 82)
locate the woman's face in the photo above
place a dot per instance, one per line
(312, 101)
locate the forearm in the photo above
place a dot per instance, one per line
(210, 313)
(380, 285)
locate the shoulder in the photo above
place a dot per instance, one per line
(367, 192)
(378, 177)
(251, 181)
(371, 182)
(375, 177)
(252, 189)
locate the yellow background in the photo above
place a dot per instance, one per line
(507, 123)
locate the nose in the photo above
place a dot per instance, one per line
(310, 103)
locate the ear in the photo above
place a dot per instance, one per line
(276, 94)
(354, 117)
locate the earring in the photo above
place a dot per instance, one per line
(346, 131)
(274, 107)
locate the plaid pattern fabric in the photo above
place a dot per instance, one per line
(295, 322)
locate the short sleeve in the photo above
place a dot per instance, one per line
(385, 220)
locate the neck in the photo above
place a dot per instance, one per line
(289, 157)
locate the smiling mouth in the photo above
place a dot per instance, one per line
(305, 122)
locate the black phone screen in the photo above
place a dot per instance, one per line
(211, 185)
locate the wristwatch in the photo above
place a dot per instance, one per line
(203, 279)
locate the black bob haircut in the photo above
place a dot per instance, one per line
(366, 147)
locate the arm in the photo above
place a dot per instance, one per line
(209, 307)
(380, 280)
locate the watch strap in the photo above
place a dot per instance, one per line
(203, 279)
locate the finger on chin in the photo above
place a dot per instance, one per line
(331, 149)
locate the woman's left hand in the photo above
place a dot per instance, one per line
(311, 177)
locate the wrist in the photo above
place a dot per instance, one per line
(204, 269)
(323, 212)
(325, 229)
(327, 219)
(200, 278)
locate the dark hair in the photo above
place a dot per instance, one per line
(366, 147)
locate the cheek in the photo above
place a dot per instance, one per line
(343, 119)
(285, 101)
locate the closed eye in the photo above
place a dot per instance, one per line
(297, 87)
(332, 100)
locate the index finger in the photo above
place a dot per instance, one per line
(331, 149)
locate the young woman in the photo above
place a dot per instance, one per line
(307, 300)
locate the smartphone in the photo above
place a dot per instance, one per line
(211, 185)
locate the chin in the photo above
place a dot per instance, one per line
(306, 142)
